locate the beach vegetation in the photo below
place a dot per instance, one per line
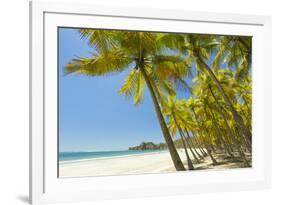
(214, 71)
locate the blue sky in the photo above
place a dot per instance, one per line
(92, 115)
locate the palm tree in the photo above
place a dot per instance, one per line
(199, 48)
(204, 92)
(218, 112)
(149, 62)
(192, 145)
(192, 104)
(173, 111)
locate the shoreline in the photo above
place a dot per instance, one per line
(142, 163)
(145, 163)
(111, 157)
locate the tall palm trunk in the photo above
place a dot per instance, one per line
(192, 144)
(171, 146)
(204, 153)
(236, 116)
(249, 112)
(236, 143)
(199, 145)
(246, 144)
(191, 150)
(189, 162)
(187, 142)
(226, 123)
(227, 139)
(247, 105)
(210, 154)
(218, 131)
(206, 145)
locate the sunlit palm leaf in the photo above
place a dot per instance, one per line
(100, 64)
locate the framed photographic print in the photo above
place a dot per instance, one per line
(129, 102)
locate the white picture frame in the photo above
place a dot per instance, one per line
(45, 187)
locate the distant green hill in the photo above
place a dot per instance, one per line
(154, 146)
(149, 146)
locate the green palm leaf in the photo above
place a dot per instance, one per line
(100, 64)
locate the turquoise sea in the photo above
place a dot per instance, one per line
(68, 156)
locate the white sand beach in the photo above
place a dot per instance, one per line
(155, 162)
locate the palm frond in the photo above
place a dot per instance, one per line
(133, 86)
(100, 39)
(99, 64)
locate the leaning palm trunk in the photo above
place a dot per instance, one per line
(247, 106)
(189, 162)
(225, 121)
(209, 151)
(210, 154)
(193, 154)
(170, 144)
(218, 131)
(232, 135)
(205, 144)
(247, 145)
(236, 116)
(236, 143)
(188, 144)
(199, 145)
(192, 145)
(195, 149)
